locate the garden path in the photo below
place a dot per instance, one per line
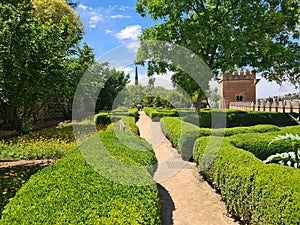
(186, 198)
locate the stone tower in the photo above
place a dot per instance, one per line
(237, 87)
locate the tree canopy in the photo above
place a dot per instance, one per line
(54, 10)
(40, 62)
(229, 35)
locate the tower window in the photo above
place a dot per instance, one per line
(239, 98)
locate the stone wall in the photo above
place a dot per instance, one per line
(237, 87)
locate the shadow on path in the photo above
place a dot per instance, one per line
(167, 206)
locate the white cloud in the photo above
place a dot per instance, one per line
(107, 31)
(120, 17)
(127, 70)
(130, 33)
(124, 8)
(133, 46)
(94, 20)
(81, 6)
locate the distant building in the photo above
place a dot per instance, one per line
(237, 87)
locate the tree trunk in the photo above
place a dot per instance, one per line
(198, 104)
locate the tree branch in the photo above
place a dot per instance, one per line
(218, 4)
(201, 3)
(212, 57)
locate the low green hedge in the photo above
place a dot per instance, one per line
(254, 192)
(263, 128)
(157, 113)
(105, 118)
(102, 118)
(240, 118)
(72, 192)
(128, 121)
(182, 135)
(260, 144)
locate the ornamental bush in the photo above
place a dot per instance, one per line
(254, 192)
(72, 192)
(259, 144)
(235, 118)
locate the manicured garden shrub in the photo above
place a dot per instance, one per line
(181, 134)
(254, 192)
(238, 130)
(72, 192)
(105, 118)
(102, 118)
(239, 118)
(133, 112)
(290, 130)
(128, 121)
(259, 144)
(157, 113)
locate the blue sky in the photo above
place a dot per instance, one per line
(111, 25)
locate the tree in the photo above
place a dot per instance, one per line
(115, 83)
(34, 61)
(229, 34)
(55, 10)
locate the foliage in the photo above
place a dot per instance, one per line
(102, 118)
(51, 144)
(258, 144)
(54, 10)
(238, 130)
(156, 113)
(154, 96)
(254, 192)
(128, 121)
(71, 192)
(115, 83)
(182, 135)
(12, 179)
(39, 62)
(287, 158)
(235, 118)
(230, 34)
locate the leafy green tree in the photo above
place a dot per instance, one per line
(115, 83)
(34, 61)
(228, 35)
(55, 10)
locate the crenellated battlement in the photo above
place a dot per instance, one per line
(239, 75)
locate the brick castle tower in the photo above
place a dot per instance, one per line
(237, 87)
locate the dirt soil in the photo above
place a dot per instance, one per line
(186, 198)
(42, 162)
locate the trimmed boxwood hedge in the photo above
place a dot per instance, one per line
(259, 144)
(236, 118)
(128, 121)
(254, 192)
(157, 113)
(71, 192)
(263, 128)
(182, 135)
(105, 118)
